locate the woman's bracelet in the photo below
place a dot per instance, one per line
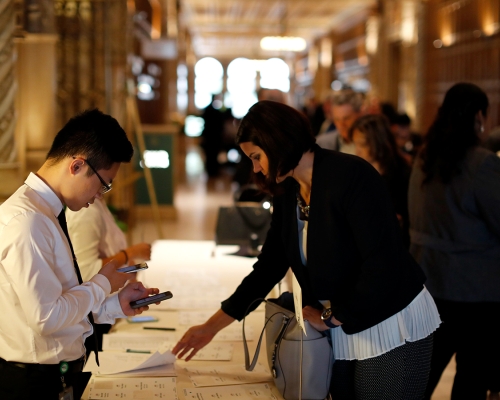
(126, 256)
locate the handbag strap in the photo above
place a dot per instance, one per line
(249, 366)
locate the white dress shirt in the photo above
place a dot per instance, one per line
(95, 235)
(44, 309)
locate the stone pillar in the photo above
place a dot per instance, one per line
(10, 178)
(36, 98)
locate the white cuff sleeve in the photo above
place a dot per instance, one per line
(110, 310)
(102, 282)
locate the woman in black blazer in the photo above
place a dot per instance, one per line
(333, 223)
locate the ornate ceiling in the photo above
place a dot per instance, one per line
(232, 28)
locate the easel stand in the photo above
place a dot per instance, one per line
(135, 124)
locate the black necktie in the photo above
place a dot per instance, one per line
(93, 345)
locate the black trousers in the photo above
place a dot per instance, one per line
(469, 330)
(28, 383)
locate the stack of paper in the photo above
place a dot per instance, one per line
(133, 388)
(137, 343)
(227, 375)
(262, 391)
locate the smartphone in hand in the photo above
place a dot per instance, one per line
(151, 299)
(130, 269)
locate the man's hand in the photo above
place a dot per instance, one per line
(139, 252)
(116, 279)
(134, 291)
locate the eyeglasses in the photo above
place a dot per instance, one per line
(106, 187)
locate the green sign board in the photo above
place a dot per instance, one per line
(160, 158)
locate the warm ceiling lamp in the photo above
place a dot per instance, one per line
(283, 43)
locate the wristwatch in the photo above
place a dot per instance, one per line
(326, 317)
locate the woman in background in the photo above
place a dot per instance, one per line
(374, 142)
(454, 205)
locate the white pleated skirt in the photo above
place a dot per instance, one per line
(417, 321)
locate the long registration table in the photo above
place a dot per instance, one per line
(200, 275)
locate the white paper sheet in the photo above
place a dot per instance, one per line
(215, 352)
(260, 391)
(222, 375)
(116, 362)
(138, 342)
(190, 318)
(133, 388)
(160, 370)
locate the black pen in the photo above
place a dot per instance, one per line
(138, 351)
(157, 328)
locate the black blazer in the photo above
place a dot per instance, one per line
(356, 257)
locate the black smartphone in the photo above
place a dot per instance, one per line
(130, 269)
(151, 299)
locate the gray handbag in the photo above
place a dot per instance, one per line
(301, 365)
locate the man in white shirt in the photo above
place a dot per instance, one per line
(47, 310)
(346, 107)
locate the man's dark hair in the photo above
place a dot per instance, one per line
(390, 112)
(283, 133)
(94, 135)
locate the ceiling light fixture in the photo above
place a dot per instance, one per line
(283, 43)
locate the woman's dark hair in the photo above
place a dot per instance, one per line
(96, 136)
(453, 132)
(379, 139)
(283, 133)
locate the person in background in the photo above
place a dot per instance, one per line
(47, 310)
(389, 111)
(271, 95)
(454, 199)
(346, 107)
(492, 143)
(327, 125)
(408, 142)
(371, 134)
(339, 234)
(372, 104)
(211, 136)
(97, 240)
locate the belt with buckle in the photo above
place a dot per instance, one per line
(61, 368)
